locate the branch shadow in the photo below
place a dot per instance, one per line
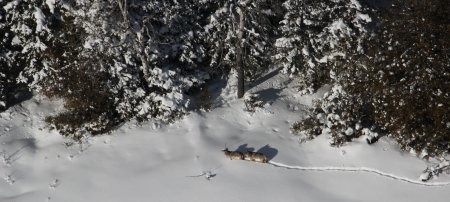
(268, 95)
(244, 148)
(26, 144)
(264, 78)
(269, 151)
(383, 4)
(16, 97)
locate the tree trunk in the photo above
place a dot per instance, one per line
(239, 63)
(123, 6)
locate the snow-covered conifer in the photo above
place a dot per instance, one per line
(25, 32)
(316, 33)
(399, 87)
(141, 58)
(258, 28)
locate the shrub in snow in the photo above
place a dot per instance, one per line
(3, 91)
(308, 128)
(435, 170)
(200, 97)
(252, 103)
(338, 114)
(316, 33)
(88, 100)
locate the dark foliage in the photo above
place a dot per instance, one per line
(401, 86)
(410, 80)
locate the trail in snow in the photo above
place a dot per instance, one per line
(359, 169)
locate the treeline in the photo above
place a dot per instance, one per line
(399, 86)
(116, 60)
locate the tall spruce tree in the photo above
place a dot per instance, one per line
(109, 60)
(314, 34)
(398, 87)
(26, 29)
(408, 81)
(240, 35)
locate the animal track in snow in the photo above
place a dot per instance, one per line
(5, 158)
(54, 184)
(359, 169)
(9, 179)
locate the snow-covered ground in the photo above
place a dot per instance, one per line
(184, 162)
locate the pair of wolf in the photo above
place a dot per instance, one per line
(249, 156)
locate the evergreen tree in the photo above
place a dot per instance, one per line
(140, 58)
(408, 82)
(399, 87)
(240, 34)
(317, 33)
(25, 31)
(110, 61)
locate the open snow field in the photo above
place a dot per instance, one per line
(184, 162)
